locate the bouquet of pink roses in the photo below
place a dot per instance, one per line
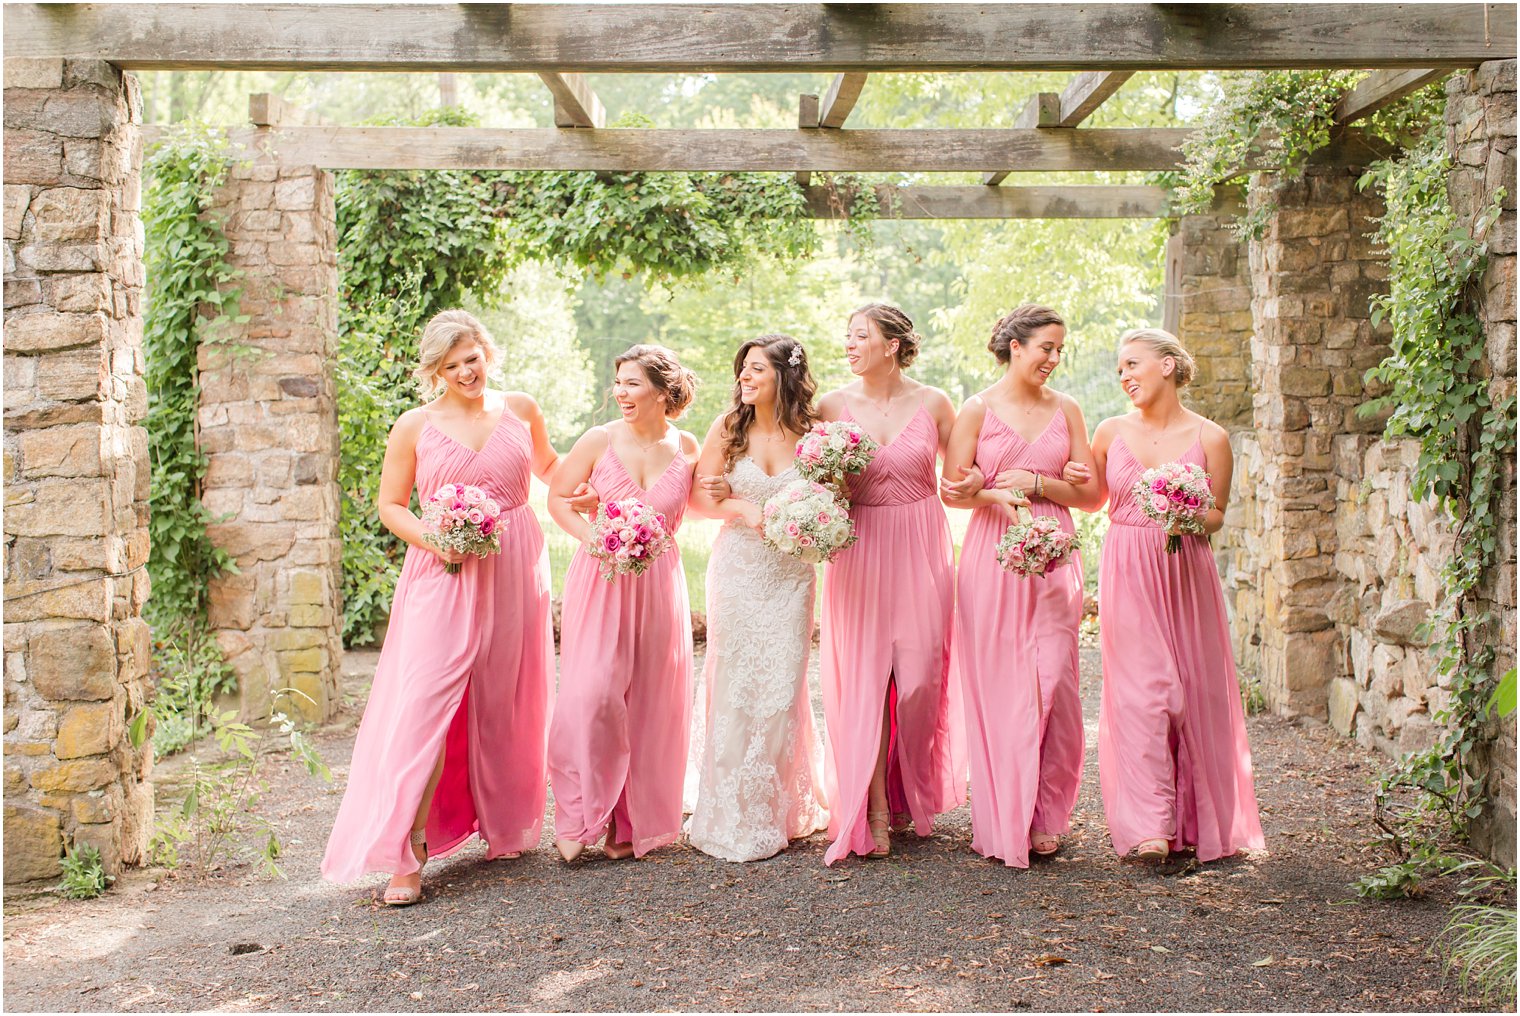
(807, 520)
(626, 536)
(1175, 496)
(463, 519)
(1034, 545)
(830, 450)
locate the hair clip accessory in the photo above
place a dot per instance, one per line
(796, 356)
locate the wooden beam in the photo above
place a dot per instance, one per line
(807, 119)
(1042, 110)
(841, 98)
(785, 151)
(575, 104)
(1086, 93)
(268, 110)
(1383, 88)
(795, 37)
(1068, 202)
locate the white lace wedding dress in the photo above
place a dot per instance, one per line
(755, 754)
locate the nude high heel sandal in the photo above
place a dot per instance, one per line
(405, 896)
(877, 822)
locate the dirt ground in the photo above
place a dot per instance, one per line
(934, 927)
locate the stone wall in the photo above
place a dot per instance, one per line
(1480, 133)
(1314, 272)
(1208, 307)
(76, 468)
(269, 424)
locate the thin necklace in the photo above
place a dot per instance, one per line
(890, 399)
(646, 445)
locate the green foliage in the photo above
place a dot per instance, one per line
(189, 672)
(414, 243)
(1275, 119)
(1435, 393)
(220, 813)
(1502, 700)
(1479, 939)
(84, 876)
(191, 292)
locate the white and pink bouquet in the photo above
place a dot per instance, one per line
(463, 519)
(1034, 545)
(626, 536)
(828, 451)
(807, 520)
(1176, 496)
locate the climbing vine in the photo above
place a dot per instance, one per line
(191, 291)
(1436, 394)
(413, 243)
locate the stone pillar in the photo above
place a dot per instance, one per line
(269, 425)
(76, 468)
(1480, 134)
(1208, 307)
(1313, 272)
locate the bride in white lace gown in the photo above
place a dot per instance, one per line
(756, 757)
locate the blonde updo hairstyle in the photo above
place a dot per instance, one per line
(895, 327)
(664, 371)
(1164, 344)
(446, 330)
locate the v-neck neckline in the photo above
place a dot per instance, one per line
(880, 444)
(505, 412)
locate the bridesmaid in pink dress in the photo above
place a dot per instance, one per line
(1172, 754)
(617, 744)
(452, 740)
(895, 745)
(1016, 637)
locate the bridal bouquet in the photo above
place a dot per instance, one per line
(807, 520)
(1034, 545)
(830, 450)
(1175, 496)
(626, 536)
(463, 519)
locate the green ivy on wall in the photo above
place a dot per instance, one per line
(1436, 394)
(191, 289)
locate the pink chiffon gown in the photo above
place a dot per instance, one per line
(466, 667)
(617, 745)
(887, 604)
(1016, 653)
(1172, 754)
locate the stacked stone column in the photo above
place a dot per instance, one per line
(1313, 274)
(269, 425)
(76, 468)
(1208, 307)
(1480, 134)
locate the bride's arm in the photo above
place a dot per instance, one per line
(711, 495)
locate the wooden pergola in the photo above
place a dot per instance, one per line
(1404, 45)
(1281, 327)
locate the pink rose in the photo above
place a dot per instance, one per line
(488, 526)
(611, 543)
(806, 541)
(643, 534)
(476, 516)
(445, 492)
(1159, 485)
(823, 517)
(1159, 503)
(792, 529)
(613, 510)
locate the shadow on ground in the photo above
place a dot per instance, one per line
(933, 927)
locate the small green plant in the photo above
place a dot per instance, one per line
(1252, 696)
(84, 875)
(1479, 938)
(220, 813)
(1406, 879)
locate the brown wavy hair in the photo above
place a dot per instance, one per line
(895, 326)
(795, 390)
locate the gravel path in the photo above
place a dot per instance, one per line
(932, 928)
